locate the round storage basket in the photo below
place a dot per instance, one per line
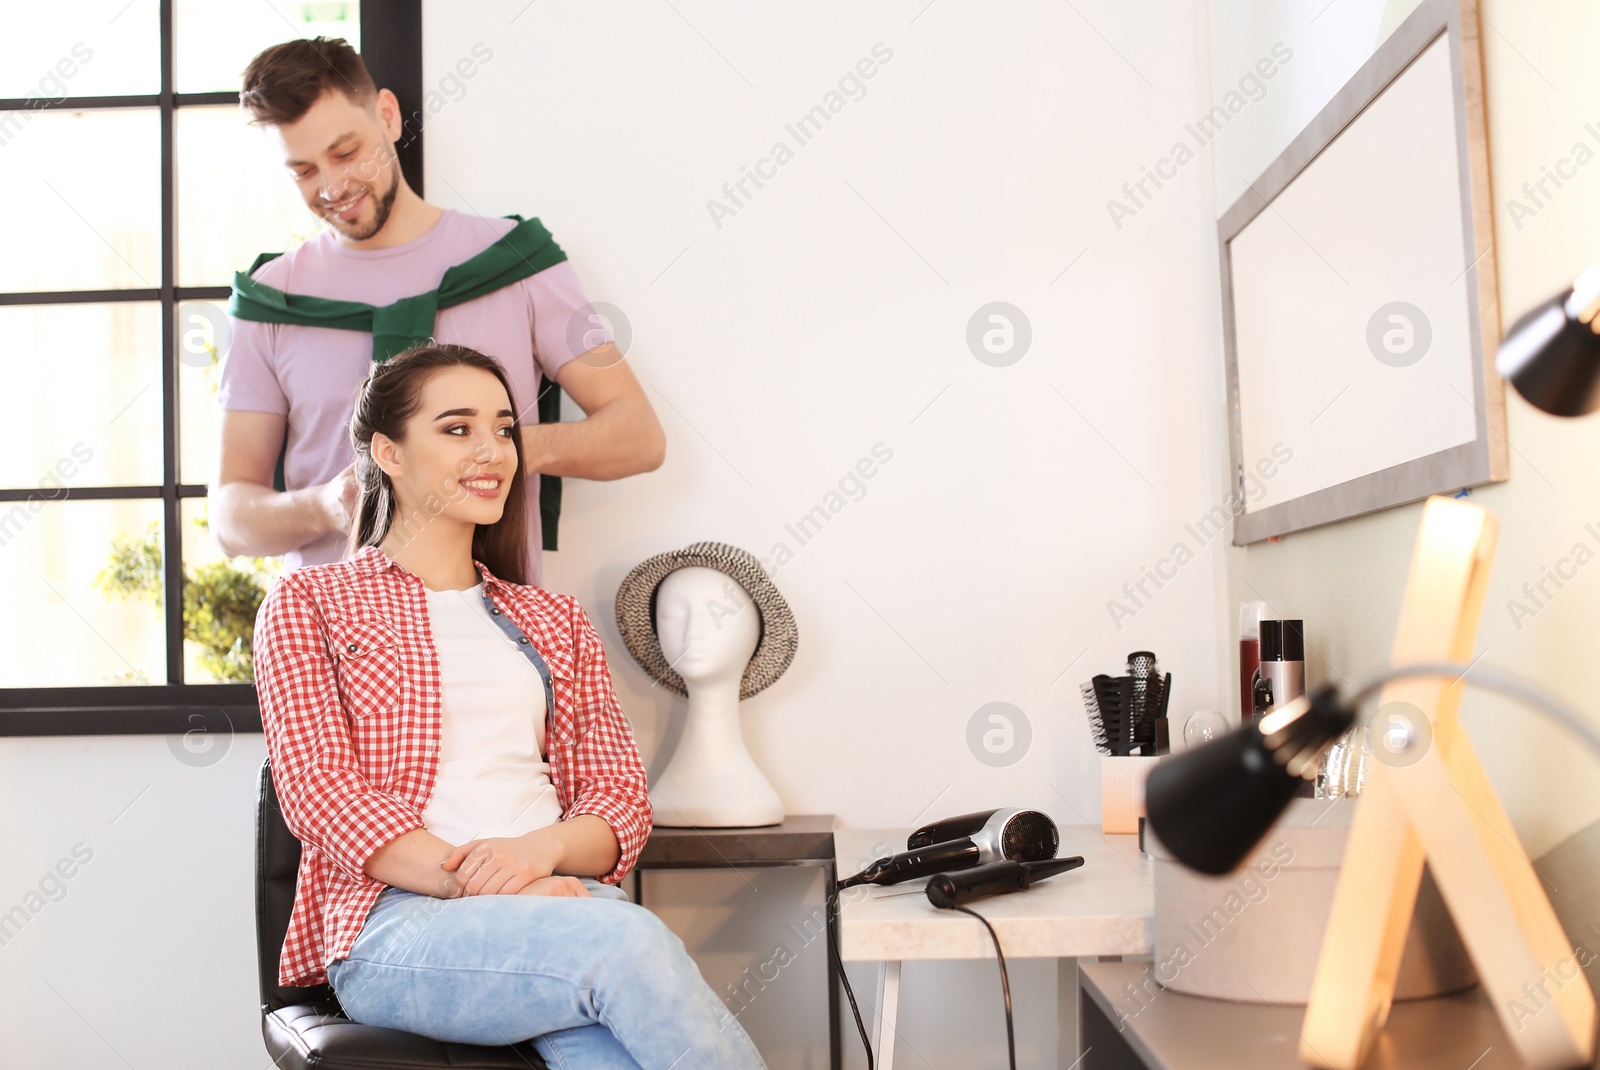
(1254, 935)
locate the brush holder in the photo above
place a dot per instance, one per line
(1122, 791)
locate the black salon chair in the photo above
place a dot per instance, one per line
(305, 1027)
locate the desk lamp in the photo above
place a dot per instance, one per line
(1552, 354)
(1431, 798)
(1213, 804)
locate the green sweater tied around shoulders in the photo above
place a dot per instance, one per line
(527, 250)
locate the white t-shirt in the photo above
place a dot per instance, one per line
(493, 777)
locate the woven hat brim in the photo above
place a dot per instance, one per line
(636, 621)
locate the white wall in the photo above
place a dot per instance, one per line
(1346, 579)
(145, 956)
(829, 314)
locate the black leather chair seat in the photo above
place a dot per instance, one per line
(321, 1036)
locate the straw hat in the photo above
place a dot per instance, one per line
(636, 614)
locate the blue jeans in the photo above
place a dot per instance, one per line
(597, 982)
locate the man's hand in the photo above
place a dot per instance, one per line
(247, 515)
(505, 865)
(338, 498)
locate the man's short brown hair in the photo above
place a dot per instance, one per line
(282, 83)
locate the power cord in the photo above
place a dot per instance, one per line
(1005, 989)
(1005, 983)
(838, 959)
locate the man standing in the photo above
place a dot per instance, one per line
(296, 364)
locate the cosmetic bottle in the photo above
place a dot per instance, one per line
(1249, 655)
(1283, 659)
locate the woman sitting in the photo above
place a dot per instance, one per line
(447, 746)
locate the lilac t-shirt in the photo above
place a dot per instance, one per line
(313, 374)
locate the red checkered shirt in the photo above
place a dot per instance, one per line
(348, 680)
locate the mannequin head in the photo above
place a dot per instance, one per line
(707, 625)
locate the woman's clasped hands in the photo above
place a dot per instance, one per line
(509, 865)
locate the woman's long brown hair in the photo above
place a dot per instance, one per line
(389, 398)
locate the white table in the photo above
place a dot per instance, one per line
(1104, 909)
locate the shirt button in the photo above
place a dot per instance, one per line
(496, 612)
(352, 648)
(523, 640)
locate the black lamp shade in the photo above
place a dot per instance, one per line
(1212, 804)
(1552, 353)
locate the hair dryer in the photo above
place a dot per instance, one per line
(963, 842)
(948, 890)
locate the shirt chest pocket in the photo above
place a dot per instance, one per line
(568, 728)
(366, 661)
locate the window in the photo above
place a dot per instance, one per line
(126, 164)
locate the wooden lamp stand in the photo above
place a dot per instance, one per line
(1435, 803)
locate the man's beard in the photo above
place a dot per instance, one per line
(382, 206)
